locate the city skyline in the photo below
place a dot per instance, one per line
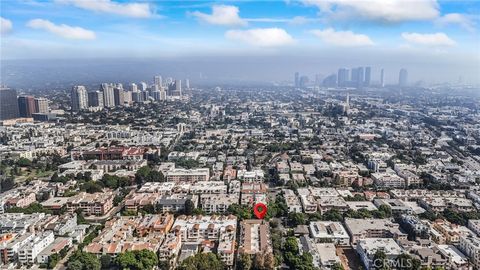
(437, 40)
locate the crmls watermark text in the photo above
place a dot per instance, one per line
(394, 264)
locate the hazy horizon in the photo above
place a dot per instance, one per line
(238, 41)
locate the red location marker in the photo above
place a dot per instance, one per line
(260, 210)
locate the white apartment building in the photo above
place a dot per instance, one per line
(28, 252)
(255, 176)
(470, 246)
(184, 175)
(327, 231)
(217, 203)
(367, 248)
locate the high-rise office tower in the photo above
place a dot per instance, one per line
(354, 77)
(157, 80)
(137, 96)
(145, 95)
(127, 97)
(108, 95)
(26, 106)
(382, 78)
(95, 99)
(330, 81)
(163, 94)
(343, 77)
(144, 86)
(178, 88)
(360, 77)
(8, 103)
(187, 83)
(168, 81)
(297, 79)
(118, 96)
(303, 81)
(119, 86)
(41, 105)
(368, 74)
(79, 98)
(403, 77)
(133, 87)
(155, 94)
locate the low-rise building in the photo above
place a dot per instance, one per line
(367, 248)
(329, 232)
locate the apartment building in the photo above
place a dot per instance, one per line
(28, 252)
(366, 249)
(327, 231)
(470, 246)
(373, 228)
(255, 176)
(217, 203)
(184, 175)
(254, 237)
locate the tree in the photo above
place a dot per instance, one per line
(189, 207)
(106, 261)
(337, 266)
(386, 210)
(23, 162)
(7, 183)
(296, 219)
(380, 260)
(291, 245)
(83, 261)
(244, 262)
(137, 260)
(142, 174)
(53, 260)
(202, 261)
(406, 262)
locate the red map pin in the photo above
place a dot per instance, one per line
(260, 210)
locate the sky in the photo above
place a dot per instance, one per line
(434, 40)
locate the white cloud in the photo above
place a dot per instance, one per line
(430, 40)
(342, 38)
(63, 30)
(263, 37)
(136, 10)
(456, 18)
(5, 25)
(221, 15)
(382, 10)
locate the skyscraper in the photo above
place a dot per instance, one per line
(26, 106)
(297, 79)
(368, 74)
(178, 88)
(157, 80)
(143, 86)
(79, 98)
(137, 96)
(95, 99)
(403, 77)
(118, 96)
(127, 97)
(382, 78)
(343, 77)
(133, 88)
(41, 105)
(8, 103)
(360, 77)
(330, 81)
(303, 81)
(354, 78)
(187, 83)
(108, 95)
